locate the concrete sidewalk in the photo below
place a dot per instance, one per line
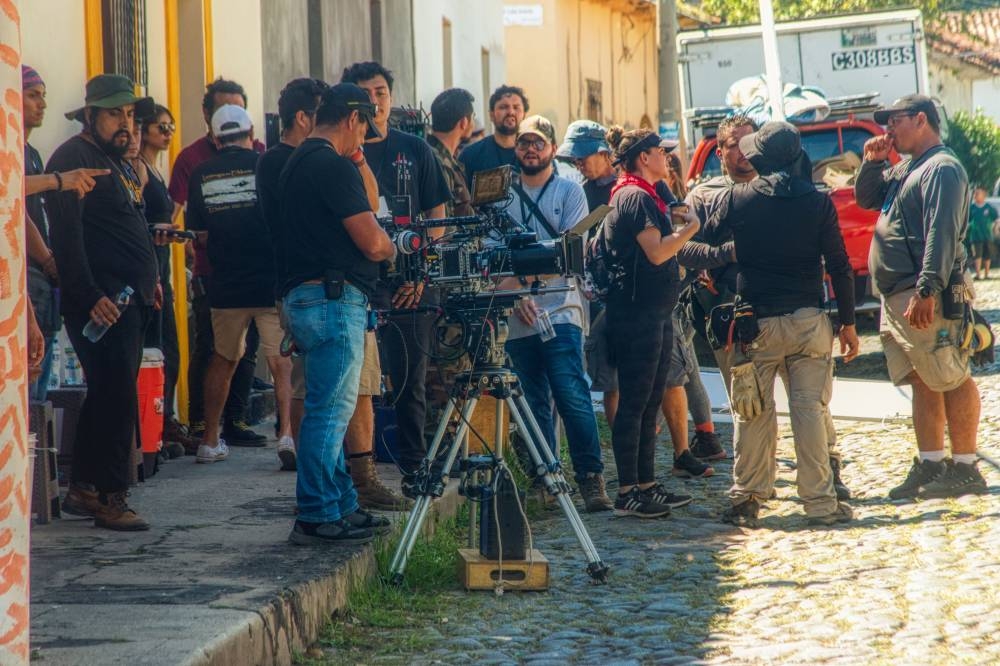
(215, 580)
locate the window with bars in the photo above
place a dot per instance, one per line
(125, 39)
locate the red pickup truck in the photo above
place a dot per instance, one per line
(829, 142)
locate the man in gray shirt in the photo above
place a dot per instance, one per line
(917, 248)
(553, 369)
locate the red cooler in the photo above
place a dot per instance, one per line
(150, 389)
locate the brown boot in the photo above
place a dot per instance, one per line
(595, 497)
(81, 500)
(177, 441)
(372, 494)
(115, 514)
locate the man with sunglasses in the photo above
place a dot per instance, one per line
(552, 368)
(916, 256)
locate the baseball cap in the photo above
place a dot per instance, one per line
(230, 119)
(775, 145)
(912, 104)
(583, 138)
(111, 91)
(537, 125)
(350, 97)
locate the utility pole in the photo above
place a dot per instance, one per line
(772, 64)
(669, 90)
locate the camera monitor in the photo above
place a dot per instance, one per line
(491, 185)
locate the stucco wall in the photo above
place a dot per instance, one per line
(986, 95)
(237, 52)
(285, 35)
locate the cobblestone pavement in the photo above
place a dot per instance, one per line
(915, 583)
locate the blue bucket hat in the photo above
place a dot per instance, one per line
(583, 138)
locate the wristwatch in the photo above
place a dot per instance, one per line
(925, 291)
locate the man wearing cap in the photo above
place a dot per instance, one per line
(783, 230)
(917, 258)
(549, 205)
(508, 105)
(585, 146)
(223, 209)
(333, 246)
(102, 244)
(237, 433)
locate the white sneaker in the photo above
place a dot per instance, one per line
(286, 454)
(211, 454)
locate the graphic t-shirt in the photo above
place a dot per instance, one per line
(223, 201)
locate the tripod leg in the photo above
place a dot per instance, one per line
(556, 484)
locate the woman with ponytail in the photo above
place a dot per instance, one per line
(642, 245)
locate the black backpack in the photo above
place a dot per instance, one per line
(600, 268)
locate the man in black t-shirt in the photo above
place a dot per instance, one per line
(403, 165)
(102, 245)
(332, 244)
(222, 207)
(508, 106)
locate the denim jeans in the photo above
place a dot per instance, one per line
(554, 369)
(331, 334)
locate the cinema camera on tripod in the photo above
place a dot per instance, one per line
(467, 261)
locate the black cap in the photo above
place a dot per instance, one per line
(652, 140)
(352, 98)
(910, 104)
(775, 145)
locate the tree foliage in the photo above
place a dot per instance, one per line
(975, 138)
(733, 12)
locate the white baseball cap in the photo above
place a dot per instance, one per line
(230, 119)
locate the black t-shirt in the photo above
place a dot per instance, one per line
(101, 242)
(222, 200)
(269, 168)
(485, 154)
(159, 210)
(641, 284)
(35, 203)
(598, 191)
(318, 189)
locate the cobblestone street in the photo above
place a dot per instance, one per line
(913, 583)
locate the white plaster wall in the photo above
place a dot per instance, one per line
(954, 91)
(236, 47)
(986, 95)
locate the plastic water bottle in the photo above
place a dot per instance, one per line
(94, 331)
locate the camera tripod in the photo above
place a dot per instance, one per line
(502, 384)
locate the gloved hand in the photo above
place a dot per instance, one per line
(745, 391)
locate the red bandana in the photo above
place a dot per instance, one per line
(626, 179)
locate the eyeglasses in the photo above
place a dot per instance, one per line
(537, 144)
(167, 128)
(894, 119)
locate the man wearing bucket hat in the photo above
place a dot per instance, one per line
(783, 229)
(585, 146)
(102, 245)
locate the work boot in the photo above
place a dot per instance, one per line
(706, 446)
(372, 493)
(238, 433)
(843, 492)
(595, 496)
(921, 473)
(114, 514)
(842, 514)
(177, 441)
(197, 432)
(744, 514)
(958, 479)
(81, 500)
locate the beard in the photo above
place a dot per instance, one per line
(506, 131)
(533, 169)
(111, 148)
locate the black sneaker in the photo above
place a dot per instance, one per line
(958, 479)
(662, 496)
(367, 520)
(238, 433)
(921, 473)
(338, 531)
(843, 492)
(743, 514)
(641, 504)
(706, 446)
(687, 466)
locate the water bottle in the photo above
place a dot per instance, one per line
(94, 331)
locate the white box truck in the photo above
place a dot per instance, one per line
(842, 55)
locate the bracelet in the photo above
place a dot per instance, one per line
(357, 157)
(59, 181)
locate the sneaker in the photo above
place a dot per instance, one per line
(843, 492)
(662, 496)
(286, 454)
(706, 446)
(842, 514)
(744, 514)
(408, 486)
(366, 520)
(211, 454)
(81, 500)
(238, 433)
(338, 531)
(921, 473)
(686, 466)
(639, 503)
(114, 514)
(595, 496)
(958, 479)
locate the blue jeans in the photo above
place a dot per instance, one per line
(331, 335)
(554, 369)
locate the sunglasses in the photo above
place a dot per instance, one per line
(167, 128)
(894, 119)
(537, 144)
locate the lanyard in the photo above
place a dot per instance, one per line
(528, 212)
